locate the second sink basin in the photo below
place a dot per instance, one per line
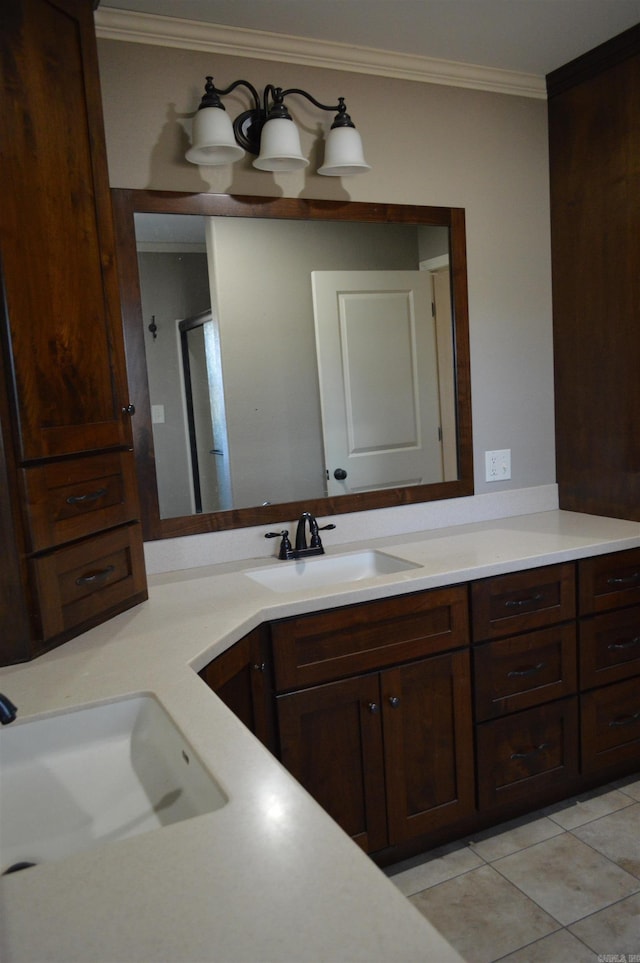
(81, 778)
(328, 570)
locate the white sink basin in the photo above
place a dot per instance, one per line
(85, 777)
(328, 570)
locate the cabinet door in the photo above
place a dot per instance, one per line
(524, 671)
(528, 755)
(331, 741)
(241, 677)
(62, 326)
(611, 727)
(509, 604)
(428, 744)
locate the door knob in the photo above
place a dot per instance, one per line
(340, 474)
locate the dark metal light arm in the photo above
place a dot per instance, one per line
(340, 107)
(247, 127)
(218, 140)
(213, 94)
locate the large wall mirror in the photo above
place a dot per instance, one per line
(287, 355)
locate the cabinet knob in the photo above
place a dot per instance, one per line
(259, 666)
(373, 707)
(394, 702)
(129, 410)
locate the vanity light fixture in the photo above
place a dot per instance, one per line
(268, 131)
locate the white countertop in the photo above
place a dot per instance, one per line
(269, 876)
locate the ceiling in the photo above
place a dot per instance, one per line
(529, 36)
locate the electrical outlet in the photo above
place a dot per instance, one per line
(157, 414)
(498, 465)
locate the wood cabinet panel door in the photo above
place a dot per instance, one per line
(428, 744)
(241, 677)
(331, 742)
(62, 325)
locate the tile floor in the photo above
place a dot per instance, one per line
(561, 885)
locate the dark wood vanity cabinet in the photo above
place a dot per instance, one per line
(72, 545)
(594, 143)
(242, 678)
(609, 628)
(420, 718)
(525, 683)
(374, 713)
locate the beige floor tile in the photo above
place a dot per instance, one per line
(567, 878)
(513, 836)
(582, 809)
(560, 947)
(482, 915)
(630, 786)
(614, 930)
(414, 875)
(617, 837)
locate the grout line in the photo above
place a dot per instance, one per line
(467, 843)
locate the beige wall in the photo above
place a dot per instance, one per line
(427, 144)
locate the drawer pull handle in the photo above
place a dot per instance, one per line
(259, 666)
(97, 578)
(530, 670)
(625, 720)
(624, 644)
(519, 603)
(531, 752)
(89, 497)
(623, 579)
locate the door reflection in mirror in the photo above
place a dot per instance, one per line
(205, 411)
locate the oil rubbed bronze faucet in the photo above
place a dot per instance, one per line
(303, 548)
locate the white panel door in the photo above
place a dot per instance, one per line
(378, 374)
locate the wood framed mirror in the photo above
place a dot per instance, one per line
(254, 330)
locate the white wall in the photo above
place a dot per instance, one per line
(427, 144)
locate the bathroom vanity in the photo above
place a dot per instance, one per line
(376, 708)
(491, 699)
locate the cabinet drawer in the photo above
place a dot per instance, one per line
(90, 579)
(611, 726)
(524, 671)
(527, 752)
(71, 499)
(609, 581)
(509, 604)
(344, 641)
(610, 647)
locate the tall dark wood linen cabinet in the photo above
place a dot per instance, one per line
(594, 143)
(72, 553)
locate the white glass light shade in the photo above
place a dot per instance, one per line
(280, 147)
(343, 154)
(213, 140)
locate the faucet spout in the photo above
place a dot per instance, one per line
(301, 531)
(8, 711)
(314, 545)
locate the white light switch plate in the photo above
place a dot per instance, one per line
(498, 465)
(157, 414)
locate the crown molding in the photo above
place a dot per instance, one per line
(125, 25)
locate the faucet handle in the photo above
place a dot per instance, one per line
(285, 544)
(315, 537)
(8, 711)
